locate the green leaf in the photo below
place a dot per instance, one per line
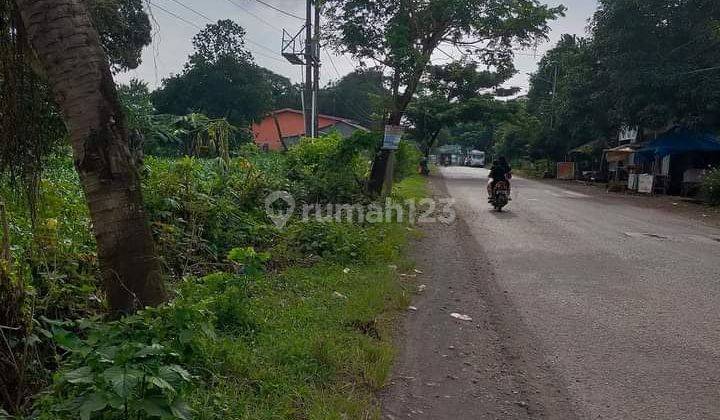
(180, 409)
(67, 340)
(83, 375)
(151, 350)
(123, 381)
(162, 384)
(94, 402)
(108, 353)
(156, 407)
(184, 374)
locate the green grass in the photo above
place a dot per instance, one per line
(411, 188)
(323, 345)
(308, 341)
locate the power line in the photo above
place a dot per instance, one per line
(698, 71)
(446, 54)
(327, 54)
(191, 9)
(249, 41)
(175, 15)
(286, 13)
(245, 9)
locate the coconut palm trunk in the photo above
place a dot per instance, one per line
(69, 51)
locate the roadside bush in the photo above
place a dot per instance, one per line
(123, 369)
(330, 241)
(535, 169)
(711, 188)
(140, 366)
(328, 169)
(407, 160)
(221, 342)
(200, 210)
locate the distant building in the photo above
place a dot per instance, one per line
(283, 128)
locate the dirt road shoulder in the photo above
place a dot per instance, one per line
(485, 367)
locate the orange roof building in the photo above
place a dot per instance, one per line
(285, 127)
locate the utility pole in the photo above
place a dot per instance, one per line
(316, 73)
(307, 53)
(309, 59)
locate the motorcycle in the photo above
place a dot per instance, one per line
(500, 195)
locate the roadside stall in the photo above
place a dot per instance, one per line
(679, 159)
(620, 162)
(588, 160)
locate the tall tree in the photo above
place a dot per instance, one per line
(428, 115)
(403, 35)
(463, 80)
(359, 95)
(68, 47)
(447, 91)
(570, 96)
(284, 93)
(124, 29)
(220, 79)
(30, 125)
(660, 58)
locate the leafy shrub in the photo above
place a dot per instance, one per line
(536, 169)
(250, 261)
(124, 369)
(200, 210)
(407, 159)
(328, 241)
(711, 187)
(138, 366)
(330, 169)
(226, 297)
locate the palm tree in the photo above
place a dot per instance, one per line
(69, 50)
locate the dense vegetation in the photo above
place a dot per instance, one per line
(648, 64)
(259, 321)
(264, 321)
(207, 309)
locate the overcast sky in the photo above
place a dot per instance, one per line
(175, 24)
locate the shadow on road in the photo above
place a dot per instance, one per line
(503, 215)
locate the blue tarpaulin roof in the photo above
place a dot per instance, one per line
(681, 141)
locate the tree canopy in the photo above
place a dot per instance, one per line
(221, 79)
(404, 35)
(31, 126)
(660, 60)
(359, 95)
(569, 96)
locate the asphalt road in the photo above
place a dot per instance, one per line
(618, 306)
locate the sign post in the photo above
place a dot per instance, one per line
(393, 134)
(391, 143)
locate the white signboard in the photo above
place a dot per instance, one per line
(628, 134)
(393, 134)
(645, 183)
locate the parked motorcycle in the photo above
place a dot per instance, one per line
(500, 195)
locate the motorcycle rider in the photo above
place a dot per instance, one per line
(500, 171)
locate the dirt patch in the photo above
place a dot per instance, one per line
(483, 364)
